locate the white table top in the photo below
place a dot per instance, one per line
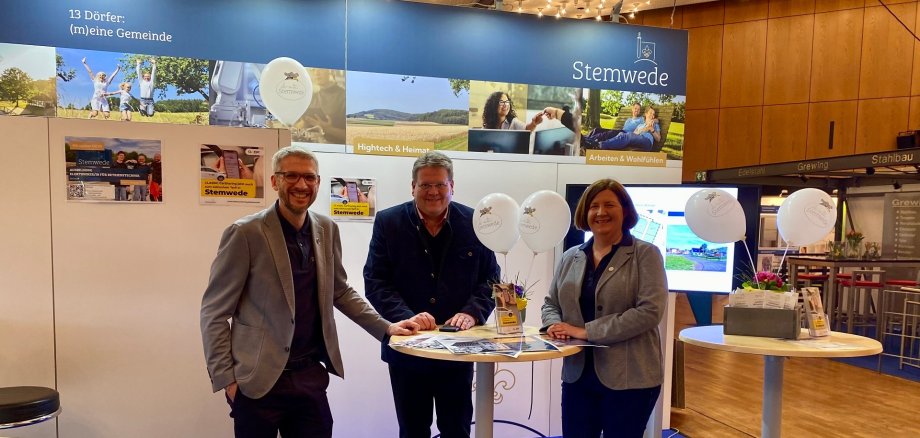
(836, 345)
(481, 331)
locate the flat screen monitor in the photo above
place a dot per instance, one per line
(555, 141)
(691, 264)
(499, 141)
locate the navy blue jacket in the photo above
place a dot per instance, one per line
(400, 279)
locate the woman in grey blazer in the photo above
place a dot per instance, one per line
(611, 291)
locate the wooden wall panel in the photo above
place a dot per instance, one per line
(662, 18)
(703, 14)
(836, 57)
(744, 48)
(745, 10)
(888, 2)
(739, 136)
(788, 61)
(783, 136)
(819, 116)
(836, 5)
(704, 67)
(885, 68)
(915, 71)
(785, 8)
(701, 139)
(878, 122)
(913, 118)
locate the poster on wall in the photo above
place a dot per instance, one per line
(353, 198)
(27, 80)
(232, 175)
(113, 169)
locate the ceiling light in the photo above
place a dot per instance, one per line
(870, 171)
(598, 17)
(632, 14)
(896, 185)
(539, 12)
(519, 5)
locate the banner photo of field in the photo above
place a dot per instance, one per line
(236, 101)
(616, 120)
(113, 169)
(353, 198)
(131, 87)
(426, 112)
(27, 80)
(232, 175)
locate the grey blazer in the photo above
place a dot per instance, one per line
(631, 296)
(251, 282)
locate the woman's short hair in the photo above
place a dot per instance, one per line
(294, 150)
(630, 215)
(433, 159)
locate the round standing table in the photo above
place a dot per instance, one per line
(775, 352)
(485, 366)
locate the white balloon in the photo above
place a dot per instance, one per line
(286, 89)
(715, 216)
(495, 222)
(806, 216)
(545, 219)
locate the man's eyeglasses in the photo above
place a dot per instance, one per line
(426, 187)
(504, 102)
(294, 177)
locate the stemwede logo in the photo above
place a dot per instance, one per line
(645, 50)
(529, 223)
(290, 87)
(486, 222)
(819, 214)
(718, 205)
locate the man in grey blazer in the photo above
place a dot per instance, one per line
(277, 275)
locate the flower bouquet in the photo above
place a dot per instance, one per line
(764, 290)
(854, 244)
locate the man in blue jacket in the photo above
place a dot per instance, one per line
(425, 264)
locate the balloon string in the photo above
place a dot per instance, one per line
(529, 270)
(504, 263)
(753, 267)
(783, 259)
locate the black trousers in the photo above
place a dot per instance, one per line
(296, 406)
(423, 385)
(589, 407)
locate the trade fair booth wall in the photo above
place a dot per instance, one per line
(101, 298)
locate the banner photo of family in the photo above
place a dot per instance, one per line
(113, 169)
(131, 87)
(353, 198)
(232, 175)
(236, 100)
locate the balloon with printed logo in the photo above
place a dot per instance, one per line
(806, 216)
(545, 219)
(495, 222)
(286, 89)
(715, 216)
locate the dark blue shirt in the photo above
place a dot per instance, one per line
(308, 340)
(592, 276)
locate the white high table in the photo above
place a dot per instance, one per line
(775, 352)
(485, 367)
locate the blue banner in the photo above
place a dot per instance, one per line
(313, 32)
(439, 41)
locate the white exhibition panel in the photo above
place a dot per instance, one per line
(123, 292)
(26, 287)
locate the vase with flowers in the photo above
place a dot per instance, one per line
(854, 244)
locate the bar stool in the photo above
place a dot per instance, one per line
(26, 405)
(836, 313)
(860, 305)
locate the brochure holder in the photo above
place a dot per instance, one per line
(507, 316)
